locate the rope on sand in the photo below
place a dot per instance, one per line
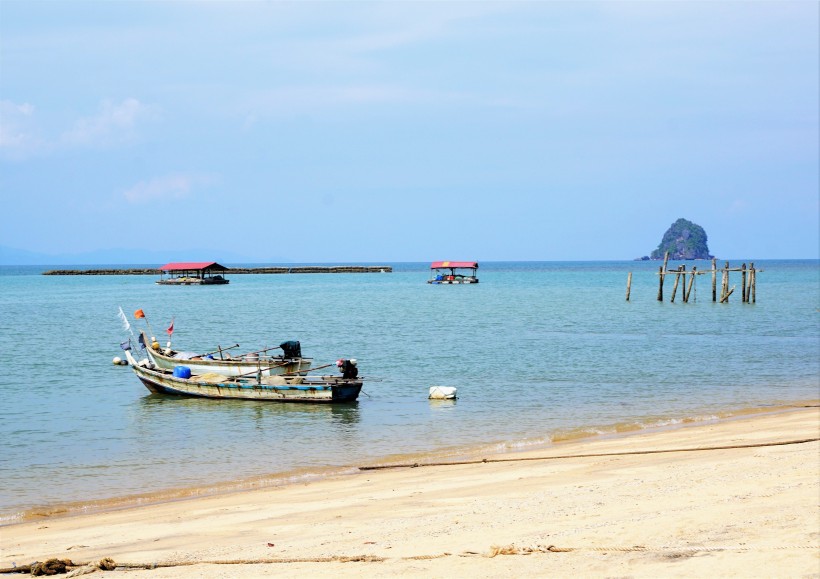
(55, 566)
(596, 455)
(59, 566)
(513, 550)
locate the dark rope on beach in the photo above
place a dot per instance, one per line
(596, 455)
(108, 564)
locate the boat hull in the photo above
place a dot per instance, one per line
(304, 389)
(192, 281)
(268, 367)
(452, 281)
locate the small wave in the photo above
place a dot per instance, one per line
(453, 453)
(171, 495)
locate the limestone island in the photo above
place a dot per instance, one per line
(683, 240)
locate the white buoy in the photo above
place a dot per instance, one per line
(442, 393)
(119, 361)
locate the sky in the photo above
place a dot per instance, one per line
(358, 132)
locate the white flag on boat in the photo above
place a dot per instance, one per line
(125, 325)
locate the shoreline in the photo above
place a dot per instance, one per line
(734, 511)
(273, 480)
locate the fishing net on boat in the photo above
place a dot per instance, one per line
(282, 380)
(211, 378)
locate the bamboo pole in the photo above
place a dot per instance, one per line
(675, 287)
(660, 283)
(628, 285)
(259, 370)
(691, 283)
(298, 372)
(754, 283)
(722, 283)
(725, 289)
(725, 299)
(714, 279)
(260, 351)
(744, 296)
(661, 275)
(219, 351)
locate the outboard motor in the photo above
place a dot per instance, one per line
(348, 368)
(291, 349)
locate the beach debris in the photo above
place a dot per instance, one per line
(61, 566)
(271, 545)
(50, 567)
(106, 564)
(442, 393)
(84, 570)
(507, 550)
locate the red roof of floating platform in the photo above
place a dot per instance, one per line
(440, 264)
(191, 265)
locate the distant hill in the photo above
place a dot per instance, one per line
(683, 240)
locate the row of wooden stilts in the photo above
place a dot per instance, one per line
(748, 288)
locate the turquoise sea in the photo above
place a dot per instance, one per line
(540, 352)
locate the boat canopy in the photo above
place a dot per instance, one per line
(454, 264)
(193, 266)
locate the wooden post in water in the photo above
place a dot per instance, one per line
(691, 283)
(744, 297)
(660, 283)
(628, 285)
(753, 282)
(724, 292)
(675, 287)
(714, 279)
(661, 275)
(722, 283)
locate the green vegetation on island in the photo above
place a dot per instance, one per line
(683, 240)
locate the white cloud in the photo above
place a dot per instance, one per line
(17, 137)
(170, 187)
(113, 123)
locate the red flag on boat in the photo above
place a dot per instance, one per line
(139, 314)
(170, 329)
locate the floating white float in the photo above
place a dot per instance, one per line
(442, 393)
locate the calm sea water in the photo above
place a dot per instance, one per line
(539, 352)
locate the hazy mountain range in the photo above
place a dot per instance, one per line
(118, 256)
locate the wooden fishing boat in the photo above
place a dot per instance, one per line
(221, 361)
(279, 388)
(453, 272)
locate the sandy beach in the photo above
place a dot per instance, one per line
(749, 510)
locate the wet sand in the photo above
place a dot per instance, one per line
(742, 511)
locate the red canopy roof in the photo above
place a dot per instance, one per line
(191, 265)
(440, 264)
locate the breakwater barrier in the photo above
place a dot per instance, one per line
(237, 270)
